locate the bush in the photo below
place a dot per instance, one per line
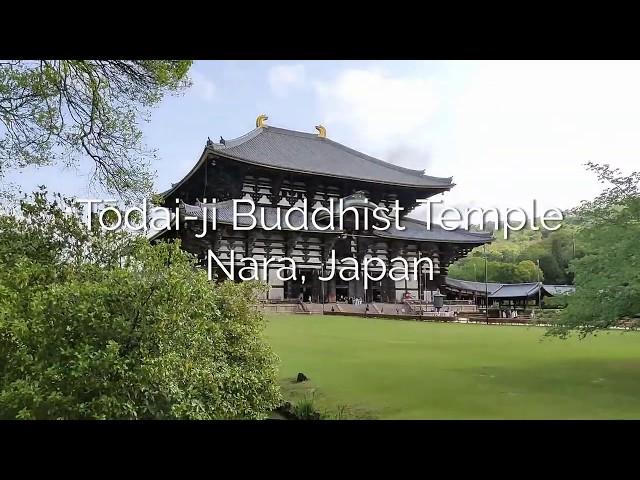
(305, 409)
(556, 302)
(86, 333)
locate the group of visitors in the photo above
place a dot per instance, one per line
(508, 313)
(351, 300)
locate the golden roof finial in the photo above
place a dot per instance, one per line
(322, 132)
(260, 120)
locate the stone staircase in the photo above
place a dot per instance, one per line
(281, 307)
(314, 308)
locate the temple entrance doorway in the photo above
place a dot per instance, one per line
(306, 287)
(374, 292)
(292, 289)
(342, 289)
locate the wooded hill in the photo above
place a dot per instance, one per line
(516, 259)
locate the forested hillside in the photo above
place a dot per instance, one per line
(516, 259)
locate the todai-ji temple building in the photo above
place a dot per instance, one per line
(277, 169)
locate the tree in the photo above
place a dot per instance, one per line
(552, 273)
(554, 250)
(501, 272)
(97, 324)
(527, 271)
(469, 268)
(64, 110)
(607, 276)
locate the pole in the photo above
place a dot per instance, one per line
(366, 302)
(539, 287)
(322, 285)
(424, 290)
(419, 281)
(486, 286)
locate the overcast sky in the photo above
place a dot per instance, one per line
(506, 131)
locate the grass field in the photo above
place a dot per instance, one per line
(377, 368)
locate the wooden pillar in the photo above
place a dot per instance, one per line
(331, 290)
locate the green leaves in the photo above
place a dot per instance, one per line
(85, 333)
(607, 277)
(515, 260)
(64, 111)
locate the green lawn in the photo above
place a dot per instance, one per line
(403, 369)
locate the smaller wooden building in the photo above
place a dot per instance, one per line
(512, 294)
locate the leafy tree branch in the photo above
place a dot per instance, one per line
(62, 111)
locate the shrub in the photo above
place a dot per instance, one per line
(305, 409)
(556, 302)
(87, 333)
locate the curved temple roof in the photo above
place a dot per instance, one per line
(517, 290)
(415, 229)
(421, 231)
(508, 290)
(560, 289)
(469, 286)
(302, 152)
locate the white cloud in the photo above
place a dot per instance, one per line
(523, 130)
(284, 78)
(203, 87)
(508, 132)
(378, 109)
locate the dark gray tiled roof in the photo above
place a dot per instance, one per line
(308, 153)
(415, 230)
(559, 289)
(508, 290)
(421, 231)
(477, 287)
(516, 290)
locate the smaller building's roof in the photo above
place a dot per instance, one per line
(474, 287)
(517, 290)
(508, 290)
(559, 289)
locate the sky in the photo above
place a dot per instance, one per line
(507, 132)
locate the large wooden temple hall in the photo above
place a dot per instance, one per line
(277, 168)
